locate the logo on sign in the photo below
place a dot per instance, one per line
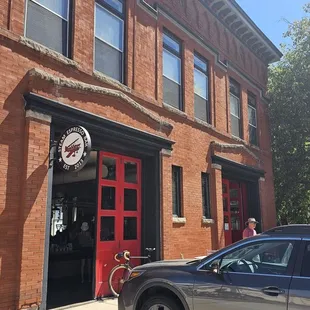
(73, 149)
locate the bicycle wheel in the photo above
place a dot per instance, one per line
(117, 277)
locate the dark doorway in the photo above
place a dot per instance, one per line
(72, 235)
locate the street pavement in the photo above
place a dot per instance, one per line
(107, 304)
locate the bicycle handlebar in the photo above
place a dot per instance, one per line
(126, 254)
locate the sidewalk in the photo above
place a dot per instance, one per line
(108, 304)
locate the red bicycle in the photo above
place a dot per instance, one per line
(120, 273)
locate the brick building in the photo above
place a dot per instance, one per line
(172, 95)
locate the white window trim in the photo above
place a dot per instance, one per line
(253, 108)
(238, 116)
(180, 61)
(196, 66)
(68, 24)
(177, 42)
(207, 82)
(94, 50)
(43, 6)
(101, 39)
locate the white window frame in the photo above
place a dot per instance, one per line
(102, 40)
(179, 59)
(253, 107)
(237, 116)
(178, 56)
(63, 18)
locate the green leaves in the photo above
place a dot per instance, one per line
(289, 90)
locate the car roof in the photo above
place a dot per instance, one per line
(286, 231)
(296, 230)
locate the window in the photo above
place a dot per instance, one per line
(176, 191)
(47, 22)
(206, 209)
(172, 71)
(252, 119)
(266, 257)
(109, 38)
(305, 269)
(234, 89)
(201, 102)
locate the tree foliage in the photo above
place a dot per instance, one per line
(289, 90)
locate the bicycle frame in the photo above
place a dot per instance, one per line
(142, 257)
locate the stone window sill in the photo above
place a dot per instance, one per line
(238, 139)
(207, 221)
(110, 81)
(174, 110)
(203, 123)
(178, 220)
(255, 147)
(43, 50)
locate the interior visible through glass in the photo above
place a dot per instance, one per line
(130, 228)
(108, 198)
(131, 172)
(130, 199)
(107, 229)
(109, 168)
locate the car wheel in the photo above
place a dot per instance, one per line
(160, 303)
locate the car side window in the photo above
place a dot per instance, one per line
(265, 257)
(305, 268)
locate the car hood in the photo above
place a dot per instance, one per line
(168, 263)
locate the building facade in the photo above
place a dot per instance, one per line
(172, 94)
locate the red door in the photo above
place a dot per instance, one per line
(119, 214)
(235, 210)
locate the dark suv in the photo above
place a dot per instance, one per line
(270, 271)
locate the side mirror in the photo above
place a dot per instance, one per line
(215, 267)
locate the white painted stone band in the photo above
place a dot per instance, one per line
(38, 116)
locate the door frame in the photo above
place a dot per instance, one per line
(243, 207)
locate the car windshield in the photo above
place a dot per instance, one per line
(262, 252)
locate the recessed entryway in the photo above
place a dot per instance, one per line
(72, 235)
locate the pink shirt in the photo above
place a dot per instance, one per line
(248, 232)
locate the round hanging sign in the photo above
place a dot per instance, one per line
(73, 149)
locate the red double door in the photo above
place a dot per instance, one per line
(119, 214)
(235, 210)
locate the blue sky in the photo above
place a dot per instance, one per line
(268, 15)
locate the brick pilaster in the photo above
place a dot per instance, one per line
(217, 202)
(33, 210)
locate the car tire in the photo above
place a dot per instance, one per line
(167, 302)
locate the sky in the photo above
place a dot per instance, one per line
(268, 15)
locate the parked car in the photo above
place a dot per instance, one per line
(270, 271)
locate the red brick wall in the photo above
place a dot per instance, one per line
(24, 143)
(197, 18)
(33, 212)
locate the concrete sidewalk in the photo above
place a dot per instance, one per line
(107, 304)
